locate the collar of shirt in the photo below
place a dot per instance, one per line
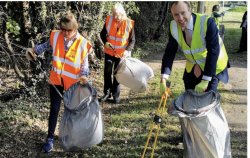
(77, 37)
(190, 24)
(70, 42)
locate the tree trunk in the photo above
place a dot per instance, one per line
(98, 42)
(200, 8)
(164, 15)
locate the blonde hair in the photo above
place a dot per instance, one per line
(118, 8)
(68, 21)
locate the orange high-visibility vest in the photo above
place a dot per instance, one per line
(118, 35)
(66, 65)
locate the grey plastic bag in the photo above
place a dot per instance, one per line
(204, 126)
(82, 123)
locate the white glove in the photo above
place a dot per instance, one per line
(127, 54)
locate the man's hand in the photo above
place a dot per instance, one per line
(202, 86)
(108, 45)
(30, 54)
(83, 80)
(163, 86)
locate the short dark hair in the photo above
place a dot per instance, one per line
(216, 8)
(176, 2)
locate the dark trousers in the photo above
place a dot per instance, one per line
(111, 85)
(243, 40)
(55, 102)
(190, 81)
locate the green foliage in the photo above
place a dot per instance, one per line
(148, 21)
(137, 53)
(232, 31)
(131, 8)
(13, 27)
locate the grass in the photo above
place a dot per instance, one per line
(238, 9)
(24, 122)
(232, 21)
(126, 128)
(129, 124)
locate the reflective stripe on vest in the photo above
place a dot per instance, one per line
(197, 53)
(66, 73)
(54, 40)
(76, 65)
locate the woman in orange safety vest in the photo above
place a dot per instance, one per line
(69, 65)
(119, 38)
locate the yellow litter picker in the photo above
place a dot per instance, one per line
(155, 124)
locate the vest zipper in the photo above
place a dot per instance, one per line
(193, 57)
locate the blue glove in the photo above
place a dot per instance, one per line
(202, 86)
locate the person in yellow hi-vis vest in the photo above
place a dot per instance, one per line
(197, 37)
(69, 65)
(216, 14)
(119, 38)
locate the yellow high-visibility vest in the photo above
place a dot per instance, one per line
(197, 52)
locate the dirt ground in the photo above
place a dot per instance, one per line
(235, 105)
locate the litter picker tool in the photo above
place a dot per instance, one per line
(38, 62)
(155, 124)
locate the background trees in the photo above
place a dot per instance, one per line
(26, 23)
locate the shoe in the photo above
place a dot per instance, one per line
(105, 97)
(48, 146)
(117, 100)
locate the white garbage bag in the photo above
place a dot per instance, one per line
(204, 126)
(133, 74)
